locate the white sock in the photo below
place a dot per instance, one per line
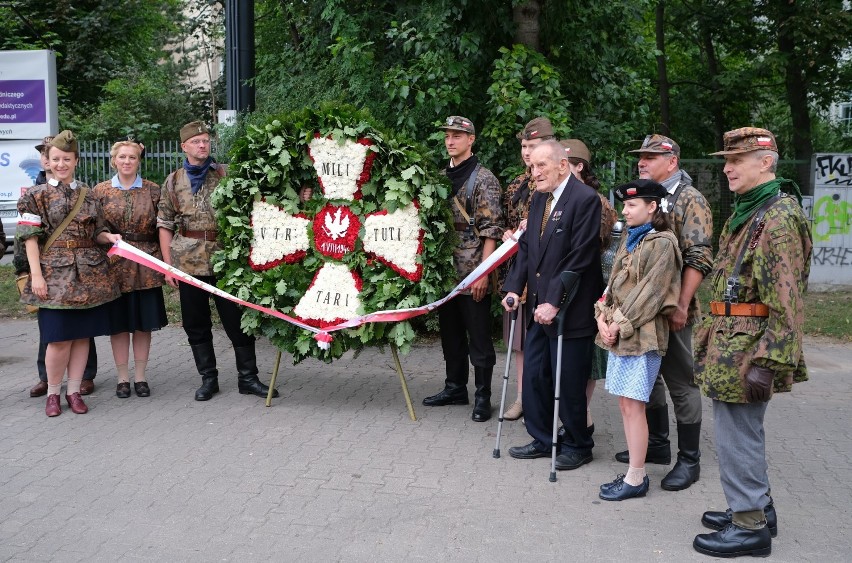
(635, 476)
(73, 386)
(122, 373)
(139, 366)
(54, 389)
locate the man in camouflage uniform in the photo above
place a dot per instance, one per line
(465, 322)
(752, 342)
(692, 223)
(188, 238)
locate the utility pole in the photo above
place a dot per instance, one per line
(239, 54)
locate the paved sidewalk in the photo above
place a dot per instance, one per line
(336, 471)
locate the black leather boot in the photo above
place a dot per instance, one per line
(455, 386)
(247, 381)
(687, 469)
(205, 363)
(659, 448)
(482, 397)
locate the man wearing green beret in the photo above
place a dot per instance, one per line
(751, 345)
(188, 238)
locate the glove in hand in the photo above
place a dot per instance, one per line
(758, 382)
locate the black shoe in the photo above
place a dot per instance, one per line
(733, 541)
(619, 490)
(251, 385)
(530, 451)
(481, 409)
(660, 456)
(141, 388)
(572, 460)
(618, 479)
(687, 469)
(718, 520)
(448, 396)
(122, 390)
(682, 475)
(209, 387)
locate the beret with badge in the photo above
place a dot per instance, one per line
(747, 139)
(538, 128)
(459, 123)
(658, 144)
(193, 129)
(640, 188)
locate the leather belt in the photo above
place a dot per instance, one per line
(139, 237)
(75, 243)
(201, 235)
(739, 309)
(461, 226)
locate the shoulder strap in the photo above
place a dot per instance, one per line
(733, 284)
(68, 218)
(471, 181)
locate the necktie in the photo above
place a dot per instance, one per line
(546, 215)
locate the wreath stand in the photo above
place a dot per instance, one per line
(394, 352)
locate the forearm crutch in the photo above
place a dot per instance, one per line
(569, 281)
(514, 314)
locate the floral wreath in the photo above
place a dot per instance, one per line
(375, 235)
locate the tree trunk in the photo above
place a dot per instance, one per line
(527, 27)
(662, 76)
(797, 93)
(715, 103)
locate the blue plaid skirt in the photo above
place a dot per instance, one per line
(632, 376)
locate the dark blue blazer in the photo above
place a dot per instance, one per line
(571, 241)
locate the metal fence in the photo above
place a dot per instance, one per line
(161, 158)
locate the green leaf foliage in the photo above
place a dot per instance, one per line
(400, 174)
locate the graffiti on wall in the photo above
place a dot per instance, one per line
(834, 169)
(831, 217)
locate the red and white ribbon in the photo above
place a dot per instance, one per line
(323, 335)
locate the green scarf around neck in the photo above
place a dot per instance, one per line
(747, 204)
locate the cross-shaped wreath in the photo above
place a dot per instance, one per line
(376, 234)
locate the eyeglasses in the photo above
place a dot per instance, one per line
(197, 142)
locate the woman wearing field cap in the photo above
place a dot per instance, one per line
(129, 207)
(69, 277)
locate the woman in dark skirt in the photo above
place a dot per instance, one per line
(69, 281)
(129, 207)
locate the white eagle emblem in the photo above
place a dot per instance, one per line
(336, 227)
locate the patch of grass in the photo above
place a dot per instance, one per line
(10, 306)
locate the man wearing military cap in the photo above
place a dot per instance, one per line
(516, 202)
(692, 223)
(188, 238)
(465, 322)
(751, 345)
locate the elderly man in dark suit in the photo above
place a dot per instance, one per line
(563, 234)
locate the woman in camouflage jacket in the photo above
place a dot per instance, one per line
(70, 281)
(129, 207)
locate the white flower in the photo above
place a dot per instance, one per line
(333, 295)
(394, 237)
(338, 166)
(276, 233)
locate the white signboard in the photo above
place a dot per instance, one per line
(832, 220)
(28, 94)
(19, 165)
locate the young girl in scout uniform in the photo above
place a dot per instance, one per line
(69, 280)
(632, 321)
